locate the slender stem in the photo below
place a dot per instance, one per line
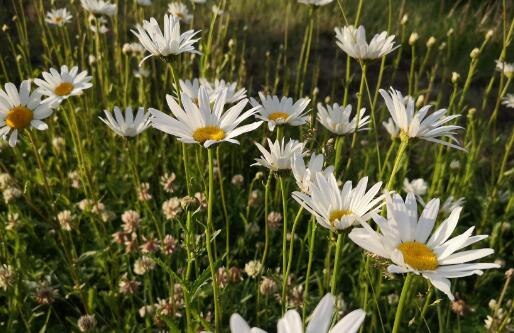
(208, 236)
(337, 258)
(224, 205)
(309, 265)
(40, 165)
(401, 304)
(339, 151)
(284, 232)
(397, 161)
(290, 255)
(266, 228)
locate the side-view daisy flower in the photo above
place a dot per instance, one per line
(417, 186)
(391, 128)
(353, 42)
(412, 246)
(336, 119)
(508, 101)
(281, 111)
(59, 86)
(303, 175)
(21, 109)
(318, 3)
(280, 154)
(58, 17)
(417, 124)
(127, 125)
(204, 123)
(340, 209)
(166, 42)
(233, 94)
(99, 7)
(506, 68)
(191, 88)
(319, 322)
(178, 9)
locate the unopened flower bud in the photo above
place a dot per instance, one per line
(474, 53)
(431, 41)
(489, 34)
(420, 100)
(413, 38)
(455, 77)
(450, 32)
(404, 19)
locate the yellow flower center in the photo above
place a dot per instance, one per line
(59, 19)
(278, 115)
(19, 117)
(418, 256)
(208, 133)
(338, 214)
(63, 89)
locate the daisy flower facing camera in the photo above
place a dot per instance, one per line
(58, 17)
(340, 209)
(320, 321)
(281, 111)
(127, 125)
(353, 42)
(280, 155)
(166, 42)
(418, 124)
(204, 123)
(412, 246)
(21, 109)
(59, 86)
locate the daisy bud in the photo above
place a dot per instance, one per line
(86, 323)
(450, 32)
(420, 100)
(315, 91)
(5, 27)
(91, 59)
(413, 38)
(404, 19)
(231, 43)
(442, 46)
(474, 53)
(19, 58)
(455, 77)
(327, 100)
(489, 34)
(431, 41)
(259, 175)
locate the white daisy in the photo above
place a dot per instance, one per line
(340, 209)
(204, 123)
(58, 17)
(233, 94)
(178, 9)
(508, 101)
(192, 89)
(450, 204)
(306, 175)
(216, 10)
(280, 112)
(20, 109)
(127, 125)
(318, 3)
(99, 7)
(391, 128)
(279, 156)
(167, 43)
(336, 119)
(417, 186)
(417, 124)
(405, 241)
(59, 86)
(353, 42)
(506, 68)
(319, 322)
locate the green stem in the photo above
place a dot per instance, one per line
(401, 304)
(290, 255)
(337, 258)
(284, 232)
(309, 265)
(224, 206)
(266, 228)
(397, 162)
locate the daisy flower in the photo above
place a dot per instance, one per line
(279, 156)
(280, 112)
(191, 89)
(417, 124)
(127, 125)
(233, 94)
(179, 10)
(336, 119)
(318, 3)
(21, 109)
(59, 86)
(353, 42)
(508, 101)
(204, 123)
(304, 176)
(99, 7)
(412, 246)
(58, 17)
(417, 186)
(167, 43)
(506, 68)
(391, 128)
(450, 204)
(340, 209)
(319, 322)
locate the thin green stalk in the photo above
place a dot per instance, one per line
(208, 236)
(337, 258)
(397, 162)
(284, 232)
(266, 228)
(403, 297)
(290, 256)
(312, 239)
